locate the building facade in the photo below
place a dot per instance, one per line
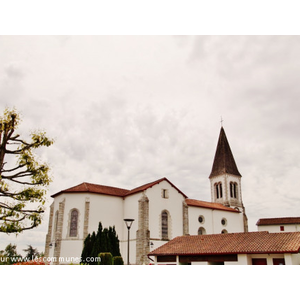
(285, 224)
(159, 209)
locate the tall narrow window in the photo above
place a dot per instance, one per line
(219, 190)
(74, 223)
(165, 193)
(164, 225)
(233, 189)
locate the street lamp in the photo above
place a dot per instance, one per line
(128, 225)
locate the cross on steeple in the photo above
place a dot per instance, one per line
(222, 121)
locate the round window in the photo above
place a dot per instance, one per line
(201, 219)
(224, 222)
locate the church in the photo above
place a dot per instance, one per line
(159, 209)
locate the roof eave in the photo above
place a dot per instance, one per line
(224, 253)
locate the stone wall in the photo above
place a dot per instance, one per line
(143, 232)
(58, 233)
(49, 234)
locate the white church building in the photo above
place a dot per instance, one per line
(160, 211)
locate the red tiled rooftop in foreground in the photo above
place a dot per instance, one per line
(210, 205)
(231, 243)
(278, 221)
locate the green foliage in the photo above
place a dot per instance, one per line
(118, 260)
(105, 241)
(9, 256)
(32, 253)
(105, 258)
(22, 186)
(87, 249)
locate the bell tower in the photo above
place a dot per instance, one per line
(225, 178)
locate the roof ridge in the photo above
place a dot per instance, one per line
(152, 182)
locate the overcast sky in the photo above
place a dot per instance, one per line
(128, 110)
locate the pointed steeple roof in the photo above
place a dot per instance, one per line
(224, 162)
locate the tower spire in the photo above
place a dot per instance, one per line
(224, 162)
(225, 178)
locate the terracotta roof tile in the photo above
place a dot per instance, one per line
(94, 188)
(209, 205)
(151, 184)
(231, 243)
(278, 221)
(113, 191)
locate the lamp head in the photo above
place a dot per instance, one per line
(128, 222)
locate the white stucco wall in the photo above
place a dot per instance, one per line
(105, 209)
(246, 259)
(276, 228)
(130, 211)
(212, 220)
(157, 204)
(173, 204)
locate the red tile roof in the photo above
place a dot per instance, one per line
(278, 221)
(113, 191)
(210, 205)
(151, 184)
(231, 243)
(94, 188)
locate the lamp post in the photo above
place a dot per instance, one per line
(128, 225)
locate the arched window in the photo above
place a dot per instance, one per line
(219, 190)
(164, 225)
(233, 189)
(224, 231)
(73, 223)
(201, 231)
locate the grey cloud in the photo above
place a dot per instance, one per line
(14, 70)
(126, 111)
